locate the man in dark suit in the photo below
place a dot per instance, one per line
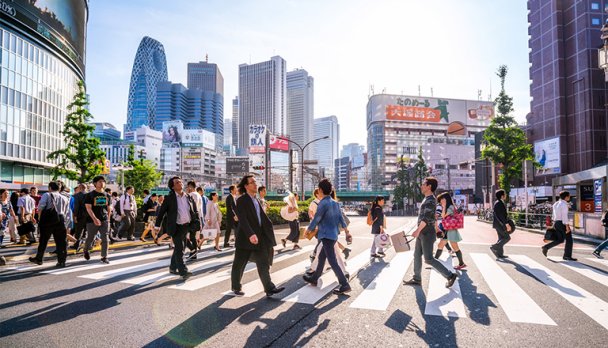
(231, 217)
(254, 238)
(179, 210)
(500, 225)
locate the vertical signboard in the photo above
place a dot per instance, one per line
(587, 198)
(547, 153)
(597, 193)
(257, 138)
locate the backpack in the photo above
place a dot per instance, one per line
(49, 215)
(370, 221)
(116, 211)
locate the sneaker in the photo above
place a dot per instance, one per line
(346, 253)
(105, 260)
(412, 282)
(35, 260)
(451, 280)
(597, 254)
(460, 267)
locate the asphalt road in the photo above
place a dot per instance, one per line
(526, 300)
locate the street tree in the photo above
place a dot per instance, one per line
(143, 174)
(504, 141)
(81, 159)
(421, 171)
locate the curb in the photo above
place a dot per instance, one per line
(576, 237)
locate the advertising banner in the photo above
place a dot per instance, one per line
(547, 153)
(237, 165)
(257, 138)
(198, 138)
(597, 188)
(278, 143)
(172, 132)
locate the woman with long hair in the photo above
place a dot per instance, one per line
(213, 219)
(453, 236)
(378, 225)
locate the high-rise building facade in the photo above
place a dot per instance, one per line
(342, 174)
(567, 119)
(352, 151)
(105, 131)
(300, 109)
(262, 97)
(40, 66)
(227, 131)
(149, 68)
(235, 121)
(326, 150)
(205, 76)
(197, 109)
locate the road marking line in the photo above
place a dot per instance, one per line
(222, 275)
(126, 270)
(113, 263)
(380, 292)
(601, 261)
(311, 294)
(441, 301)
(589, 304)
(515, 302)
(255, 287)
(589, 272)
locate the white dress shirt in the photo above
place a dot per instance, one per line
(560, 211)
(183, 208)
(127, 202)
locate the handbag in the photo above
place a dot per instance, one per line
(401, 242)
(209, 233)
(453, 222)
(310, 235)
(285, 214)
(549, 235)
(26, 228)
(382, 240)
(512, 224)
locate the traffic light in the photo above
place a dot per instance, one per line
(258, 167)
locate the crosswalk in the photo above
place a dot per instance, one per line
(150, 266)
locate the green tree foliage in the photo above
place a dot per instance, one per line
(143, 175)
(504, 141)
(409, 179)
(81, 159)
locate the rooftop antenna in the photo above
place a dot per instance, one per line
(431, 91)
(419, 90)
(207, 58)
(479, 92)
(490, 95)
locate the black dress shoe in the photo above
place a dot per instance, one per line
(544, 251)
(309, 280)
(60, 264)
(238, 293)
(568, 258)
(451, 280)
(274, 291)
(341, 291)
(186, 275)
(173, 271)
(35, 260)
(412, 282)
(105, 260)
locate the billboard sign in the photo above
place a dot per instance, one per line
(237, 165)
(547, 154)
(456, 112)
(257, 138)
(278, 143)
(597, 194)
(172, 132)
(197, 138)
(62, 23)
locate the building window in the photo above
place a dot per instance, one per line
(595, 5)
(595, 21)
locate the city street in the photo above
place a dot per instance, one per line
(526, 300)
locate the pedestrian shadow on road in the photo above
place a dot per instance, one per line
(549, 280)
(367, 275)
(64, 311)
(440, 331)
(477, 303)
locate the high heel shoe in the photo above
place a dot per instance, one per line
(217, 248)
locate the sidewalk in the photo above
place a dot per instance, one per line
(576, 237)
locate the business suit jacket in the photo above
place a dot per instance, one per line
(230, 207)
(249, 225)
(168, 211)
(79, 208)
(500, 215)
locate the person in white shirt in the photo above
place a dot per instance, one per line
(198, 201)
(128, 210)
(562, 227)
(26, 206)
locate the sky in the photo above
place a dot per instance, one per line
(412, 47)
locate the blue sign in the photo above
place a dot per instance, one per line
(597, 190)
(226, 191)
(456, 192)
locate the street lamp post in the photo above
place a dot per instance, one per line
(302, 148)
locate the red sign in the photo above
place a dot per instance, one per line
(412, 113)
(278, 143)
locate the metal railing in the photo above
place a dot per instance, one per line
(534, 220)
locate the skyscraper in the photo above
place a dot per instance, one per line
(235, 121)
(227, 131)
(567, 122)
(300, 109)
(149, 68)
(205, 76)
(197, 109)
(262, 97)
(326, 150)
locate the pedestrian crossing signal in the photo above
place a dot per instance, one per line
(258, 167)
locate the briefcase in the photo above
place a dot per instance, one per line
(401, 241)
